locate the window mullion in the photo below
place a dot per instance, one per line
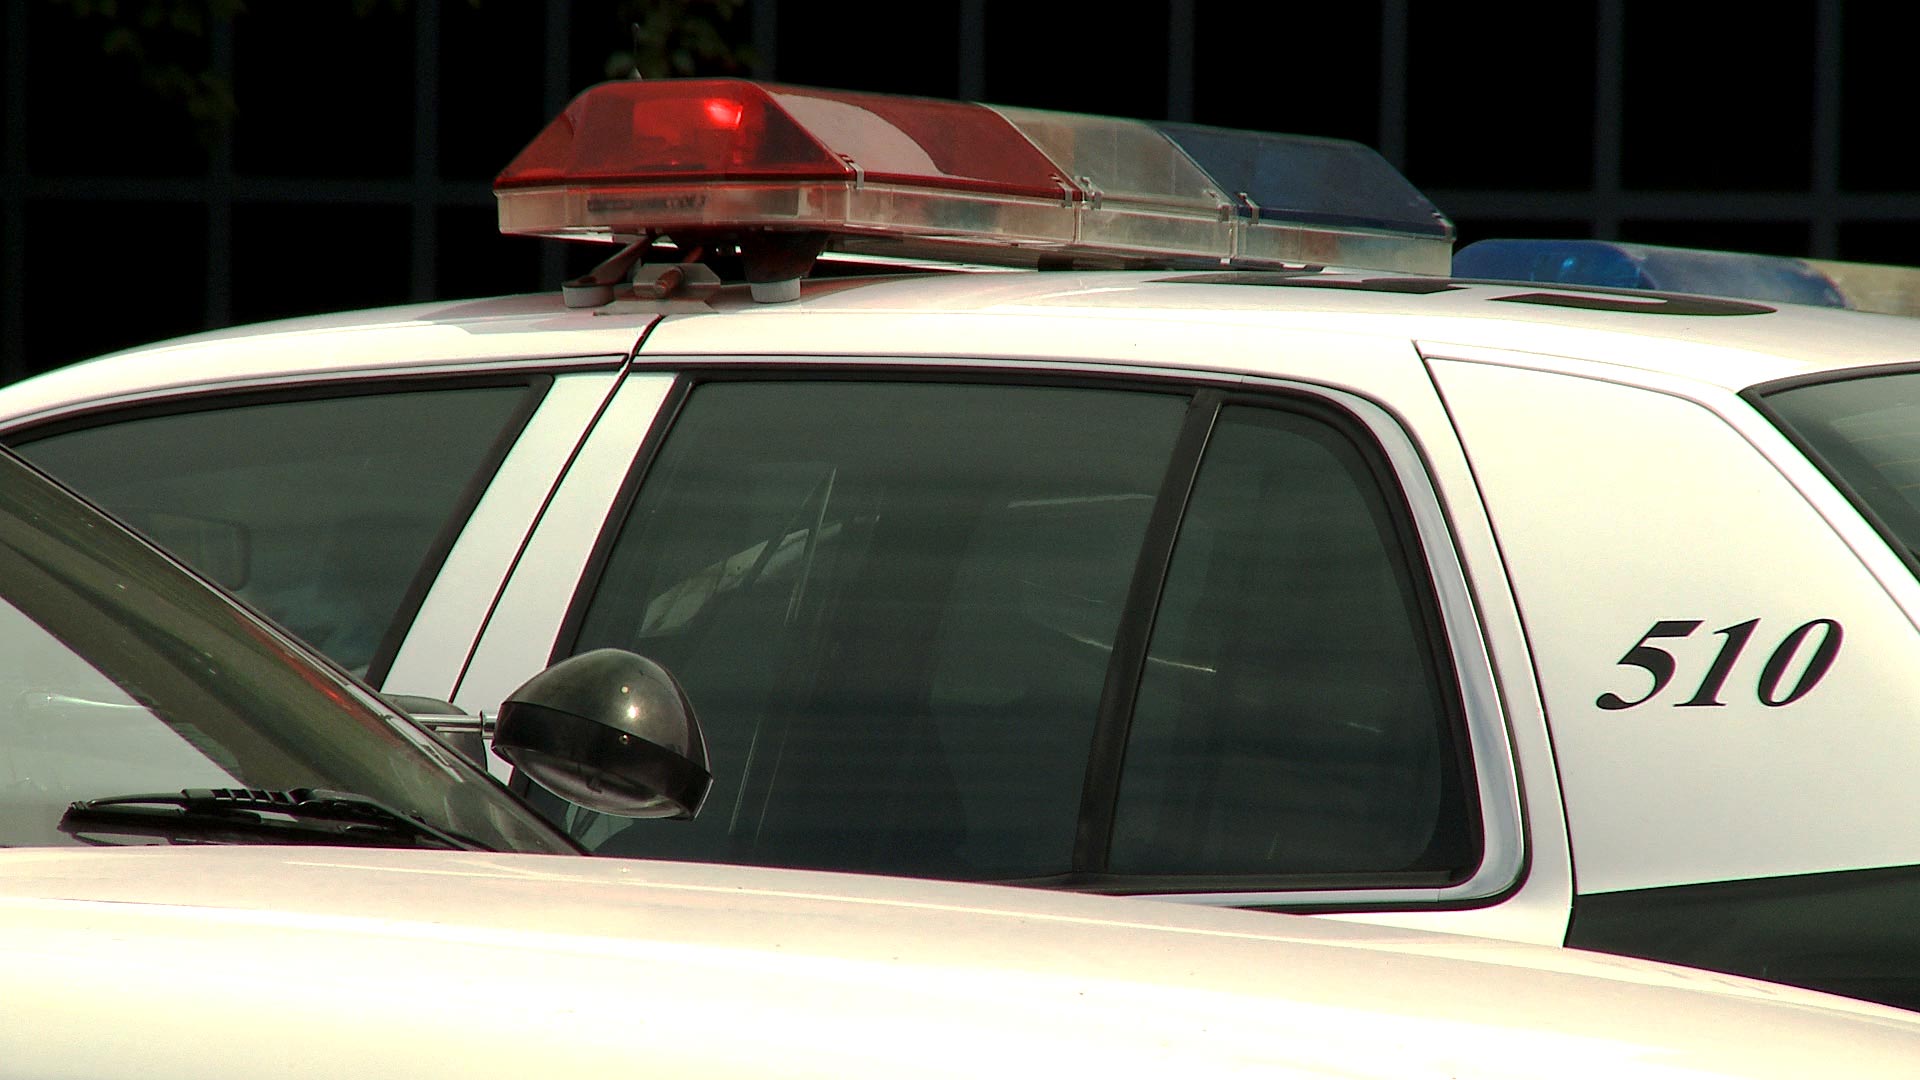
(1099, 794)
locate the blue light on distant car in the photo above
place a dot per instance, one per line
(1643, 266)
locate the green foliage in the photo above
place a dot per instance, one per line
(682, 37)
(166, 43)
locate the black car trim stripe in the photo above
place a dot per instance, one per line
(1850, 932)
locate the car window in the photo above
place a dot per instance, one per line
(1865, 432)
(318, 511)
(856, 583)
(1291, 717)
(121, 674)
(70, 732)
(895, 609)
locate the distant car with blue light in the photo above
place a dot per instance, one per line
(1139, 518)
(1613, 264)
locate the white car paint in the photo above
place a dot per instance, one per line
(291, 962)
(531, 607)
(453, 612)
(1652, 793)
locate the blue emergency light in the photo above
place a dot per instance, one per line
(1642, 266)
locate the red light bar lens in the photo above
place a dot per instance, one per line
(709, 129)
(723, 114)
(926, 142)
(724, 129)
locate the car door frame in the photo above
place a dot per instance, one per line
(1524, 889)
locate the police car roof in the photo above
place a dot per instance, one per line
(1109, 316)
(1149, 318)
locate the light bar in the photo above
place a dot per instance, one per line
(1341, 189)
(780, 168)
(1861, 286)
(1140, 191)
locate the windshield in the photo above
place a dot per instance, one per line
(1864, 431)
(121, 673)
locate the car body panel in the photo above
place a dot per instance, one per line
(420, 340)
(435, 650)
(1134, 313)
(1647, 502)
(1000, 315)
(518, 636)
(316, 963)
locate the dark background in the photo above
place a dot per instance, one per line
(289, 158)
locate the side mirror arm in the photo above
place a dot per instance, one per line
(459, 729)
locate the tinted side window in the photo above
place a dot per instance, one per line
(319, 512)
(1865, 432)
(1291, 718)
(892, 607)
(910, 617)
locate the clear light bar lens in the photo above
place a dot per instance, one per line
(1118, 160)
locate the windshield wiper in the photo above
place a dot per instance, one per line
(253, 815)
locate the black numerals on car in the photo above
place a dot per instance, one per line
(1817, 664)
(1817, 640)
(1736, 640)
(1658, 662)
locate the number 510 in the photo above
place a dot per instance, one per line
(1660, 663)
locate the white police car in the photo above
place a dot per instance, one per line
(124, 678)
(307, 963)
(1551, 613)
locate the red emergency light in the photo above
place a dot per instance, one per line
(632, 133)
(788, 171)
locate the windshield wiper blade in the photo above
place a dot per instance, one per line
(300, 815)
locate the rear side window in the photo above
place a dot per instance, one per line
(909, 616)
(1286, 722)
(1865, 432)
(318, 511)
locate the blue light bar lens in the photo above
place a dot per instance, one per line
(1642, 266)
(1325, 181)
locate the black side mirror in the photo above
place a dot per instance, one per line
(610, 731)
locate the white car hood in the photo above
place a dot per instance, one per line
(243, 961)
